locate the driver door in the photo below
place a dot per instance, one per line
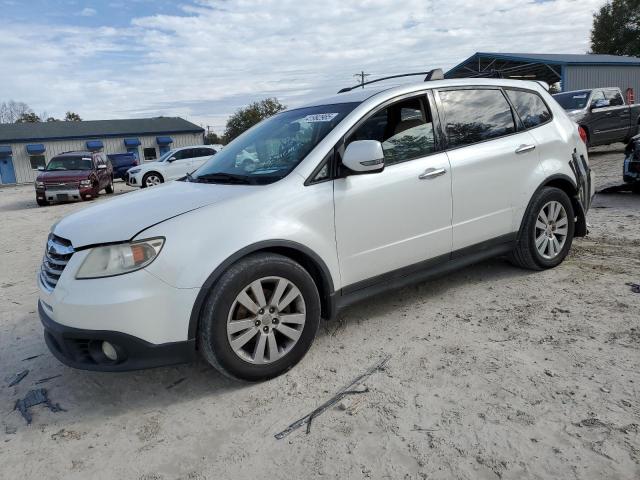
(180, 166)
(400, 216)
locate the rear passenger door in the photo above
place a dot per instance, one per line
(490, 156)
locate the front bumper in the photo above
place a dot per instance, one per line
(66, 194)
(80, 348)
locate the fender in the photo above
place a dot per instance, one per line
(327, 288)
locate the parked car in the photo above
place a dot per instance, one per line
(602, 113)
(631, 168)
(73, 176)
(172, 165)
(368, 190)
(121, 163)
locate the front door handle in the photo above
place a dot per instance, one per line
(525, 148)
(432, 173)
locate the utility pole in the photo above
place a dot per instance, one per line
(362, 76)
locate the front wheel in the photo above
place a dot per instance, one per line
(109, 188)
(152, 179)
(547, 231)
(42, 203)
(260, 318)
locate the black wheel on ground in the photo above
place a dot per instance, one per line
(260, 318)
(42, 203)
(547, 230)
(151, 179)
(109, 188)
(635, 188)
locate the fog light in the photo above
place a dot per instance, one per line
(109, 351)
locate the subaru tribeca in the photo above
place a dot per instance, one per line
(364, 191)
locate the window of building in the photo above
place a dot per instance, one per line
(149, 154)
(405, 130)
(530, 107)
(37, 161)
(476, 115)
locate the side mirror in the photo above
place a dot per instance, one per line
(171, 159)
(102, 167)
(41, 169)
(364, 156)
(601, 103)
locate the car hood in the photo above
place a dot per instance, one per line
(122, 218)
(55, 176)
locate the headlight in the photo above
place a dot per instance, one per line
(117, 259)
(85, 183)
(39, 184)
(133, 171)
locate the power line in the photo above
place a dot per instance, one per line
(362, 77)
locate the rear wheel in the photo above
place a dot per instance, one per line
(260, 318)
(547, 231)
(152, 179)
(109, 188)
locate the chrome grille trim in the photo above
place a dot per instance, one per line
(56, 256)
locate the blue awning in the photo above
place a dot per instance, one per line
(164, 140)
(5, 150)
(94, 144)
(35, 148)
(131, 142)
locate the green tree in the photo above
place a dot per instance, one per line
(72, 117)
(212, 138)
(52, 119)
(616, 28)
(28, 117)
(245, 118)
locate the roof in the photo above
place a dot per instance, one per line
(23, 132)
(540, 66)
(358, 95)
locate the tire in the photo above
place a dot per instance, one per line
(635, 188)
(537, 249)
(109, 188)
(225, 319)
(151, 179)
(42, 203)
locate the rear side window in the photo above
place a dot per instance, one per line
(614, 97)
(530, 107)
(476, 115)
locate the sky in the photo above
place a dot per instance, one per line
(204, 59)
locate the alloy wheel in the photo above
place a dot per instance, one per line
(152, 180)
(266, 320)
(552, 228)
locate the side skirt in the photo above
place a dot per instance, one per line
(422, 271)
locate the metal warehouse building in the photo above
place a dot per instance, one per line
(26, 146)
(572, 71)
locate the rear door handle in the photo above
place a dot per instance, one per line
(525, 148)
(432, 173)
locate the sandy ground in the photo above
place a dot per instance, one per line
(495, 372)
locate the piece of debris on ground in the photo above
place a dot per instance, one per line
(33, 398)
(17, 378)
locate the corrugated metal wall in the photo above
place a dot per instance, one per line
(578, 77)
(25, 174)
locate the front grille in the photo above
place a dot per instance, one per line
(61, 186)
(56, 257)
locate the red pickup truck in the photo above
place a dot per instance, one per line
(73, 176)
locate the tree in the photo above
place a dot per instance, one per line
(616, 28)
(72, 117)
(245, 118)
(28, 117)
(212, 138)
(11, 111)
(52, 119)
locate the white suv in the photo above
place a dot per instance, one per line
(172, 165)
(349, 196)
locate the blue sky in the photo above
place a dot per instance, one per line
(203, 59)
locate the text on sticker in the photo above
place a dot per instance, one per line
(320, 117)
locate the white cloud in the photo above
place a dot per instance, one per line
(218, 56)
(88, 12)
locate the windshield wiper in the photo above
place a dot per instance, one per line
(222, 177)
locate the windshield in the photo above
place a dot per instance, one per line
(70, 163)
(573, 100)
(269, 151)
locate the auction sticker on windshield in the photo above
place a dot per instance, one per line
(320, 117)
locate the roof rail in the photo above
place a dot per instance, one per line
(435, 74)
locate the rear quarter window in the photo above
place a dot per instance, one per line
(530, 107)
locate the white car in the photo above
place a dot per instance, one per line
(172, 165)
(368, 190)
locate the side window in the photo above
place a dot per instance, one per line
(597, 95)
(530, 107)
(188, 153)
(405, 130)
(476, 115)
(614, 97)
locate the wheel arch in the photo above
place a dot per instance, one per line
(297, 252)
(568, 186)
(153, 171)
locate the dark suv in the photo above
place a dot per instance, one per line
(73, 176)
(121, 162)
